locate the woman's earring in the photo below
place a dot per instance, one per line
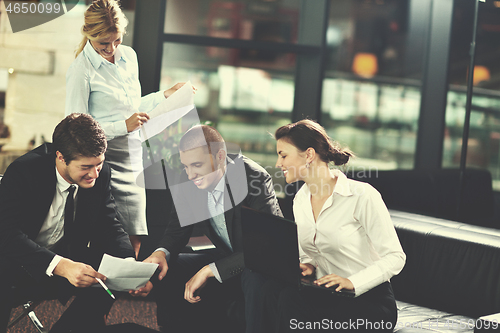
(307, 165)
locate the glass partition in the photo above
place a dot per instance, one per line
(484, 135)
(371, 98)
(244, 96)
(272, 21)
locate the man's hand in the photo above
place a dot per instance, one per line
(159, 257)
(142, 292)
(197, 282)
(78, 274)
(307, 269)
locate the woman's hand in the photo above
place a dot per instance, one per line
(176, 87)
(333, 280)
(307, 269)
(136, 121)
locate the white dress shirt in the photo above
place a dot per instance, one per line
(110, 92)
(53, 227)
(353, 236)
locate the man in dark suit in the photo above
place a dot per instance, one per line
(213, 188)
(48, 248)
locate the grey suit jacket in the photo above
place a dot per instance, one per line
(254, 190)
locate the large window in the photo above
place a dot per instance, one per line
(272, 21)
(246, 87)
(373, 72)
(484, 135)
(243, 95)
(371, 99)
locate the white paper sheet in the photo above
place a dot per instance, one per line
(180, 98)
(160, 122)
(125, 275)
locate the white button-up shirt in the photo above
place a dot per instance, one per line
(110, 92)
(353, 236)
(52, 229)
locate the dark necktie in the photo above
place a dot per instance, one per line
(69, 212)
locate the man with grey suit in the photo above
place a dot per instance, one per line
(194, 289)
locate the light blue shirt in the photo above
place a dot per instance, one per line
(219, 225)
(216, 209)
(109, 92)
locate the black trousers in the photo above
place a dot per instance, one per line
(223, 306)
(286, 309)
(85, 314)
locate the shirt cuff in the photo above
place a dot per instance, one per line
(366, 279)
(114, 129)
(214, 269)
(164, 250)
(159, 96)
(52, 265)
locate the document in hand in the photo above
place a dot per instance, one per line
(172, 116)
(125, 275)
(169, 111)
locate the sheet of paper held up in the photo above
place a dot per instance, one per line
(125, 275)
(184, 96)
(169, 111)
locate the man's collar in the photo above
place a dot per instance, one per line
(62, 184)
(220, 185)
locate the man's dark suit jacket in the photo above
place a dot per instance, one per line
(26, 194)
(258, 191)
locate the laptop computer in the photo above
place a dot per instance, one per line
(270, 247)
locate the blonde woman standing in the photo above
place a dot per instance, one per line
(104, 82)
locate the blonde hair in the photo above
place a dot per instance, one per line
(102, 18)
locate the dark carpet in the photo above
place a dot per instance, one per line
(125, 310)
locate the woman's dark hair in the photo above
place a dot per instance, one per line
(79, 135)
(309, 134)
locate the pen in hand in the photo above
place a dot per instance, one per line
(105, 287)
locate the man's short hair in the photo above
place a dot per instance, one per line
(79, 135)
(202, 136)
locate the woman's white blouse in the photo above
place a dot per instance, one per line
(110, 92)
(353, 237)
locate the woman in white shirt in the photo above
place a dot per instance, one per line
(104, 82)
(346, 238)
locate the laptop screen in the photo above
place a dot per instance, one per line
(270, 246)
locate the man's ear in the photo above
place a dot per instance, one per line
(60, 157)
(221, 157)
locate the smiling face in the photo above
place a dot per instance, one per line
(82, 171)
(201, 167)
(291, 161)
(106, 47)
